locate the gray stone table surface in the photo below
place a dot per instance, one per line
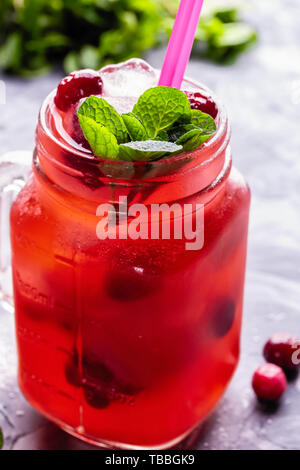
(262, 95)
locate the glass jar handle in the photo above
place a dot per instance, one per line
(14, 170)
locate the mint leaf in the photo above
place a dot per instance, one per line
(179, 130)
(162, 135)
(204, 121)
(103, 113)
(189, 135)
(102, 141)
(194, 141)
(162, 113)
(147, 150)
(159, 107)
(134, 127)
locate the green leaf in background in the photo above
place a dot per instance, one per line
(76, 33)
(222, 31)
(159, 107)
(204, 121)
(147, 150)
(235, 39)
(11, 52)
(37, 34)
(214, 27)
(102, 141)
(99, 110)
(226, 13)
(134, 127)
(234, 34)
(1, 439)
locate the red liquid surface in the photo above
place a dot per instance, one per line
(127, 341)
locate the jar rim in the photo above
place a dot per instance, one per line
(222, 125)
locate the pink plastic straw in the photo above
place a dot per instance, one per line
(180, 43)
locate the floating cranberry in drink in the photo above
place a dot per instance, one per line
(202, 103)
(222, 316)
(76, 86)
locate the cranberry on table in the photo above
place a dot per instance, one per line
(203, 103)
(280, 350)
(77, 85)
(269, 382)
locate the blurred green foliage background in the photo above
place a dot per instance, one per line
(35, 35)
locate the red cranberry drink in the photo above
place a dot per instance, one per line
(128, 341)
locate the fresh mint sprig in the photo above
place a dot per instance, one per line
(203, 121)
(105, 114)
(101, 140)
(160, 107)
(160, 124)
(135, 128)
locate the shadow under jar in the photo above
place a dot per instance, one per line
(127, 342)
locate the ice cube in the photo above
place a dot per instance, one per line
(123, 104)
(130, 78)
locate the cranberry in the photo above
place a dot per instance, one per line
(204, 103)
(98, 381)
(72, 373)
(95, 371)
(130, 283)
(92, 370)
(95, 397)
(280, 350)
(77, 133)
(269, 382)
(77, 85)
(127, 389)
(222, 316)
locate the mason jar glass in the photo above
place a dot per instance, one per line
(128, 341)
